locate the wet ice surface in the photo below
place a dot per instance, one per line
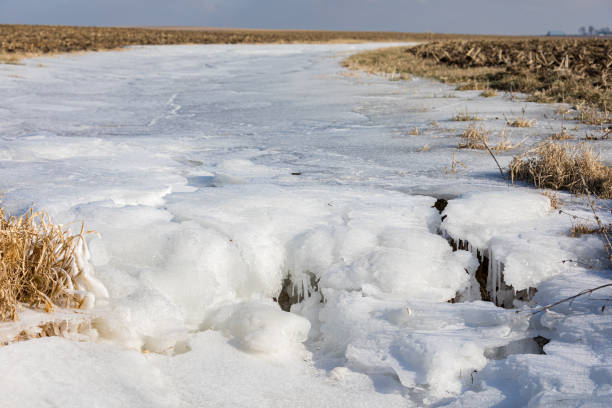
(212, 173)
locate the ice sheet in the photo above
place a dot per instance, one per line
(213, 173)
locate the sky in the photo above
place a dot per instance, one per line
(445, 16)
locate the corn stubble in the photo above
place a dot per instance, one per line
(37, 261)
(550, 70)
(18, 41)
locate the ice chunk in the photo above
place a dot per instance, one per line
(478, 217)
(259, 326)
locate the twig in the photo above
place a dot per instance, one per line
(573, 216)
(602, 229)
(576, 262)
(584, 292)
(494, 158)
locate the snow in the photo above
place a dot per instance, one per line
(211, 174)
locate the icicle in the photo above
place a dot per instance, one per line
(498, 287)
(490, 276)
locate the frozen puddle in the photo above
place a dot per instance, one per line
(268, 234)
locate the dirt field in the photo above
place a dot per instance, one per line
(572, 70)
(27, 39)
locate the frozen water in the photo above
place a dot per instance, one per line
(213, 173)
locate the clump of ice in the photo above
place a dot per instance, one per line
(478, 217)
(433, 345)
(522, 237)
(259, 326)
(90, 289)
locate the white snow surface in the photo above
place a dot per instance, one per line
(211, 174)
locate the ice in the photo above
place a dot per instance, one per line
(525, 240)
(213, 175)
(259, 326)
(478, 217)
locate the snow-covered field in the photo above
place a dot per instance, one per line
(215, 174)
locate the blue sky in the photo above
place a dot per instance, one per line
(459, 16)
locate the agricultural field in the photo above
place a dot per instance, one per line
(19, 40)
(573, 71)
(220, 223)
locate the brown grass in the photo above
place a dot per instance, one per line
(465, 116)
(19, 41)
(488, 93)
(454, 166)
(404, 65)
(602, 133)
(575, 168)
(580, 229)
(591, 116)
(563, 134)
(477, 138)
(555, 200)
(521, 122)
(473, 138)
(36, 263)
(550, 70)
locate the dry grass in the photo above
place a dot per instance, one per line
(575, 168)
(465, 116)
(488, 93)
(37, 262)
(20, 40)
(11, 59)
(555, 200)
(455, 164)
(521, 122)
(404, 65)
(602, 133)
(477, 138)
(550, 70)
(580, 229)
(473, 138)
(591, 116)
(563, 134)
(425, 148)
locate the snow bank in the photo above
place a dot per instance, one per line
(437, 346)
(526, 242)
(214, 173)
(478, 217)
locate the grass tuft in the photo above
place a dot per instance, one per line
(555, 200)
(585, 229)
(488, 93)
(592, 116)
(465, 116)
(563, 134)
(37, 264)
(576, 169)
(477, 138)
(521, 122)
(473, 138)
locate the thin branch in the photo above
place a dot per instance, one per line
(584, 292)
(603, 233)
(494, 158)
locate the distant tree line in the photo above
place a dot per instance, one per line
(590, 30)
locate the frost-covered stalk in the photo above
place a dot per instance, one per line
(43, 265)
